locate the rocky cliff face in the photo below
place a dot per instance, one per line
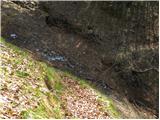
(114, 44)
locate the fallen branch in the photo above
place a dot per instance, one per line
(146, 70)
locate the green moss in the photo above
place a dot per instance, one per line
(21, 74)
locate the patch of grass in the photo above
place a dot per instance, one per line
(112, 110)
(31, 64)
(47, 108)
(49, 73)
(21, 74)
(83, 83)
(37, 92)
(24, 114)
(18, 61)
(109, 107)
(50, 104)
(38, 113)
(58, 112)
(14, 48)
(58, 85)
(53, 99)
(54, 79)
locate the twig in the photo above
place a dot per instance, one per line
(146, 70)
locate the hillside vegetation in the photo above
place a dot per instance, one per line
(33, 89)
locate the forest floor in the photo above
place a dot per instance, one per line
(33, 89)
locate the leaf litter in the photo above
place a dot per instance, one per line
(17, 90)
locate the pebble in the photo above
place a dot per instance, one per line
(13, 36)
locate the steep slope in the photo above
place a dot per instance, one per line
(31, 89)
(114, 48)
